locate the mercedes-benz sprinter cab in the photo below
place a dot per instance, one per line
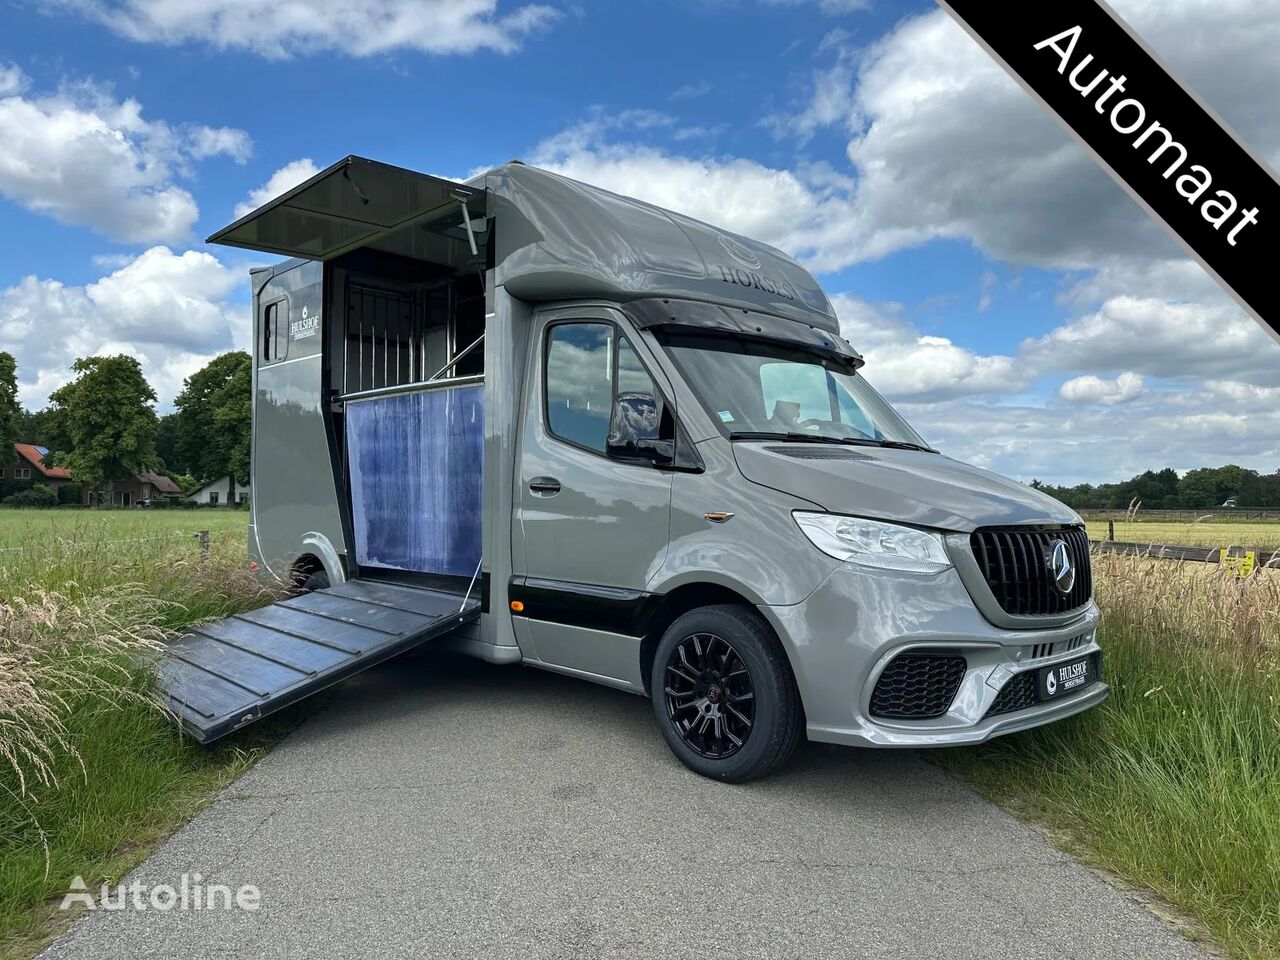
(540, 423)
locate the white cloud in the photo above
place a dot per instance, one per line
(85, 158)
(832, 100)
(358, 28)
(829, 7)
(1090, 389)
(284, 179)
(1162, 338)
(12, 80)
(167, 309)
(909, 366)
(742, 195)
(691, 91)
(212, 141)
(1099, 443)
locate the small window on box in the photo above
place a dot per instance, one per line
(275, 331)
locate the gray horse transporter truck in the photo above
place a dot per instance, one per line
(537, 422)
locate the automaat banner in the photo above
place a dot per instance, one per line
(1170, 151)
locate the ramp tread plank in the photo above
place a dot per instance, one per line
(219, 676)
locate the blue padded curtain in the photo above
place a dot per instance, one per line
(416, 462)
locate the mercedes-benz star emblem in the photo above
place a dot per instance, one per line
(1059, 562)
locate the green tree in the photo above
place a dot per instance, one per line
(9, 409)
(40, 427)
(168, 435)
(233, 425)
(109, 422)
(1208, 487)
(214, 424)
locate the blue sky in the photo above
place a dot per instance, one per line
(1009, 297)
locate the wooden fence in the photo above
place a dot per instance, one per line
(1214, 515)
(1178, 551)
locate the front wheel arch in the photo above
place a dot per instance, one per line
(671, 606)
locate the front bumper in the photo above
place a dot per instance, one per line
(842, 636)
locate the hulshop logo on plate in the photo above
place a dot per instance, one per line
(740, 253)
(308, 326)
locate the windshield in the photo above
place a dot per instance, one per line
(758, 390)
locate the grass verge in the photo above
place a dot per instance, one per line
(92, 772)
(1174, 783)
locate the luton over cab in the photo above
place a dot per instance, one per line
(537, 422)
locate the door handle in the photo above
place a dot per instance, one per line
(545, 486)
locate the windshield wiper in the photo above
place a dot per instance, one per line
(819, 438)
(904, 445)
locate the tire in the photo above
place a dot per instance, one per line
(315, 580)
(700, 694)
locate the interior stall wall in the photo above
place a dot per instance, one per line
(416, 464)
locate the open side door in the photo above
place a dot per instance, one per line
(356, 203)
(223, 675)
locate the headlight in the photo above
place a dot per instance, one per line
(874, 542)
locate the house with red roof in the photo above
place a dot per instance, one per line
(28, 463)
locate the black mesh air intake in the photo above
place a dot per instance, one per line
(1018, 694)
(916, 686)
(1016, 564)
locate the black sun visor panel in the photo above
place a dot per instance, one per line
(347, 206)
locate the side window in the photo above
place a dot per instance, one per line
(275, 331)
(579, 387)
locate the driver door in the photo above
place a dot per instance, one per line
(591, 528)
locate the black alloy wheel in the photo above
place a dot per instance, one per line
(709, 694)
(723, 694)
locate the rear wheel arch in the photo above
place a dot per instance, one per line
(304, 569)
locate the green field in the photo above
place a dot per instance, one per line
(20, 528)
(1206, 534)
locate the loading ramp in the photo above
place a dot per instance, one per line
(220, 676)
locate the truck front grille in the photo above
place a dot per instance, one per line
(1015, 561)
(917, 686)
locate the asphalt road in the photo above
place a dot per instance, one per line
(442, 807)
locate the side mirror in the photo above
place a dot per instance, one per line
(634, 429)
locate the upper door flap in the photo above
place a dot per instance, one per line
(347, 206)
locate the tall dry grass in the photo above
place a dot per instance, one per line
(90, 764)
(1192, 606)
(1174, 782)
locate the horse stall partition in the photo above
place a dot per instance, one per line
(416, 462)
